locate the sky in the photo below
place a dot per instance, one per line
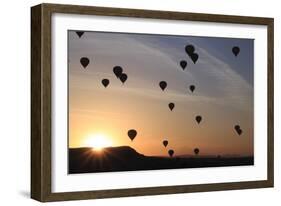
(223, 95)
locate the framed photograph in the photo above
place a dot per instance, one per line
(132, 102)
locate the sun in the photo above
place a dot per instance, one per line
(98, 141)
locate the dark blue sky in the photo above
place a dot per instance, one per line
(218, 47)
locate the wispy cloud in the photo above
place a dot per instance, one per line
(148, 61)
(217, 77)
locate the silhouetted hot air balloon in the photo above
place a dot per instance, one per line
(198, 119)
(183, 64)
(123, 77)
(194, 57)
(235, 50)
(105, 82)
(132, 134)
(192, 87)
(163, 85)
(171, 152)
(238, 129)
(189, 49)
(84, 61)
(117, 70)
(171, 106)
(196, 151)
(165, 143)
(79, 33)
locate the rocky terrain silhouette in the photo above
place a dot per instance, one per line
(125, 158)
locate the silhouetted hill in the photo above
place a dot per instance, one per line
(125, 158)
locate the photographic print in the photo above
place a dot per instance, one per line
(150, 102)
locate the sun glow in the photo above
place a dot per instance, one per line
(98, 141)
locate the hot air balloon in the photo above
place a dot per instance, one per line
(79, 33)
(238, 129)
(165, 143)
(105, 82)
(84, 61)
(171, 152)
(189, 49)
(171, 106)
(192, 88)
(163, 85)
(117, 70)
(183, 64)
(194, 57)
(235, 50)
(123, 77)
(132, 134)
(198, 119)
(196, 151)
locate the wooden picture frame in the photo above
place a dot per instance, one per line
(41, 152)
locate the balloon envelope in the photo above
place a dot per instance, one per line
(163, 85)
(183, 64)
(117, 70)
(123, 77)
(165, 143)
(132, 134)
(171, 106)
(84, 61)
(198, 119)
(189, 49)
(238, 129)
(196, 151)
(79, 33)
(171, 152)
(105, 82)
(235, 50)
(194, 57)
(192, 88)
